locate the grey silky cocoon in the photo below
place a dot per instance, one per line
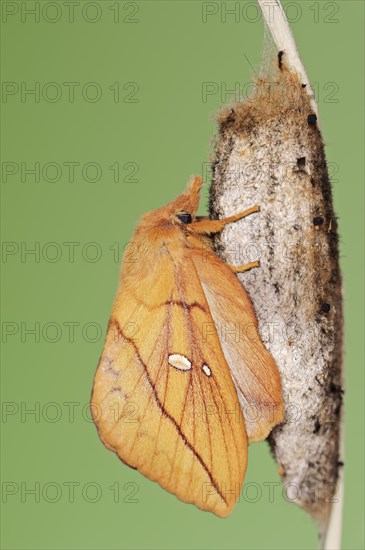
(269, 151)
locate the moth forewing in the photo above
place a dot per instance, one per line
(164, 397)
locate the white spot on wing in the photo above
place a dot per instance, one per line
(179, 361)
(206, 370)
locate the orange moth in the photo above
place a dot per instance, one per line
(184, 382)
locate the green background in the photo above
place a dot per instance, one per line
(169, 52)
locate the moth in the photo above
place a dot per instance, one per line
(184, 382)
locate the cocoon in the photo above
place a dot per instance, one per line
(269, 151)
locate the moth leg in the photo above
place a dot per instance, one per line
(214, 226)
(245, 267)
(241, 215)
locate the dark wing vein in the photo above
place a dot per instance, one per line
(168, 416)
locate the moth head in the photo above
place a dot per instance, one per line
(181, 211)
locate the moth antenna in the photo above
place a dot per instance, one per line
(193, 190)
